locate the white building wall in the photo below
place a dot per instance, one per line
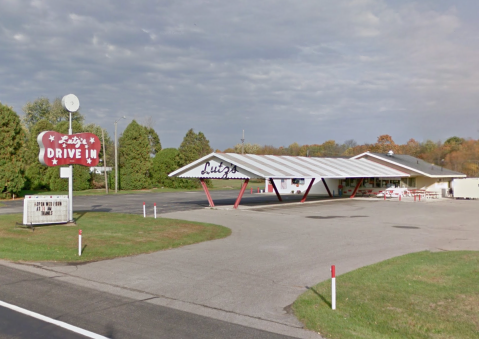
(318, 187)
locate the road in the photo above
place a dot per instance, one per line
(106, 314)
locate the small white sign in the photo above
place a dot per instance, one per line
(44, 209)
(65, 172)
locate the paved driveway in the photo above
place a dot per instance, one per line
(275, 253)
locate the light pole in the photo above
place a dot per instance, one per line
(116, 155)
(242, 144)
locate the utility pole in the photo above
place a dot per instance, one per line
(104, 160)
(116, 156)
(242, 144)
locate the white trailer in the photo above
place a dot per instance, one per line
(467, 188)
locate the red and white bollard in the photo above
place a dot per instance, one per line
(419, 197)
(333, 287)
(144, 210)
(155, 209)
(79, 243)
(399, 197)
(384, 195)
(251, 190)
(414, 198)
(258, 189)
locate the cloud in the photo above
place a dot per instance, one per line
(284, 71)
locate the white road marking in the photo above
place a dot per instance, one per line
(53, 321)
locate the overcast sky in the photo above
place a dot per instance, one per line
(284, 71)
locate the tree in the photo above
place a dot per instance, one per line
(385, 144)
(248, 148)
(135, 161)
(12, 138)
(330, 148)
(193, 147)
(41, 108)
(163, 164)
(154, 140)
(454, 141)
(412, 147)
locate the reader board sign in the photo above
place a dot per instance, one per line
(44, 209)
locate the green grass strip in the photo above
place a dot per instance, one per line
(419, 295)
(105, 235)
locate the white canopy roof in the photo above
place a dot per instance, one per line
(251, 166)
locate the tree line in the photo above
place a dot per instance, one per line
(142, 163)
(457, 154)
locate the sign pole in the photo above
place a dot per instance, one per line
(70, 179)
(71, 103)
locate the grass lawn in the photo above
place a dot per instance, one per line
(105, 235)
(419, 295)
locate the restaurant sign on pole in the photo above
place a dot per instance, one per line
(60, 149)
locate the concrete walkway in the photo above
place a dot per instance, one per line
(274, 254)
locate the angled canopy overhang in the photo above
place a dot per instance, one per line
(251, 166)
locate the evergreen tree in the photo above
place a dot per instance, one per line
(154, 140)
(193, 147)
(12, 139)
(135, 161)
(163, 164)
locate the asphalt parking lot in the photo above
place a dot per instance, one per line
(274, 254)
(166, 202)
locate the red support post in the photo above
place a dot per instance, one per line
(327, 188)
(243, 188)
(205, 188)
(307, 191)
(357, 187)
(275, 190)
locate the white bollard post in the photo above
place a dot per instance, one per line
(333, 287)
(155, 209)
(79, 243)
(144, 210)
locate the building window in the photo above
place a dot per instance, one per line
(297, 181)
(411, 182)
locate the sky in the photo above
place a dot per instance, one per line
(283, 71)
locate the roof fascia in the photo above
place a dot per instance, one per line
(360, 155)
(400, 165)
(207, 157)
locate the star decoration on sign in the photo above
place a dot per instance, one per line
(54, 161)
(88, 160)
(92, 140)
(51, 138)
(64, 145)
(86, 146)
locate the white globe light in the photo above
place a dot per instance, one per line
(71, 103)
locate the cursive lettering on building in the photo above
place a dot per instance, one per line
(225, 170)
